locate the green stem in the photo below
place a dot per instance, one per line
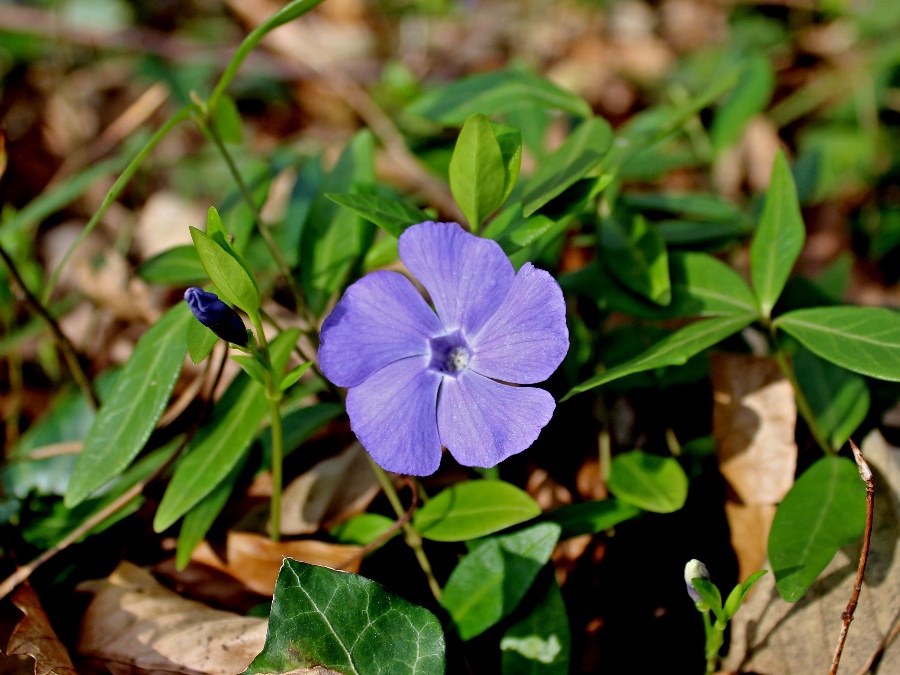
(115, 191)
(715, 637)
(802, 404)
(413, 538)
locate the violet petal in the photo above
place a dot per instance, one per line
(466, 276)
(527, 338)
(482, 422)
(393, 415)
(381, 318)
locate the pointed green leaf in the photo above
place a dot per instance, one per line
(823, 511)
(133, 407)
(673, 350)
(862, 339)
(708, 286)
(251, 366)
(839, 399)
(363, 529)
(539, 644)
(178, 266)
(583, 150)
(230, 277)
(650, 482)
(736, 597)
(636, 255)
(778, 239)
(510, 141)
(477, 171)
(219, 445)
(514, 232)
(474, 509)
(227, 120)
(346, 623)
(490, 581)
(711, 596)
(200, 341)
(750, 97)
(295, 374)
(591, 517)
(391, 215)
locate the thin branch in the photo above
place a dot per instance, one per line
(866, 474)
(392, 530)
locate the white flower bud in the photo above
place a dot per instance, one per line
(693, 570)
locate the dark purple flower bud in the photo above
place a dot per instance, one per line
(217, 316)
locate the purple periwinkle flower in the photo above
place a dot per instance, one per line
(420, 379)
(217, 316)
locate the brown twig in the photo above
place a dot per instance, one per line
(65, 345)
(866, 474)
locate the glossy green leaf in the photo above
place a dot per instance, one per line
(495, 94)
(227, 120)
(233, 245)
(839, 399)
(707, 286)
(539, 644)
(582, 151)
(650, 482)
(391, 215)
(490, 581)
(514, 232)
(591, 517)
(474, 509)
(711, 596)
(200, 341)
(673, 350)
(477, 171)
(778, 239)
(862, 339)
(131, 410)
(334, 238)
(636, 255)
(823, 511)
(748, 98)
(178, 266)
(363, 529)
(737, 595)
(510, 141)
(347, 623)
(294, 375)
(219, 445)
(232, 281)
(252, 366)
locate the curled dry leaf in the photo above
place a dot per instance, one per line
(33, 636)
(329, 493)
(770, 635)
(754, 418)
(255, 560)
(135, 621)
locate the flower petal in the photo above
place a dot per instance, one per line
(380, 319)
(466, 276)
(393, 415)
(527, 338)
(483, 422)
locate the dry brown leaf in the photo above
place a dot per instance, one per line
(33, 636)
(163, 223)
(136, 622)
(754, 418)
(332, 491)
(255, 560)
(771, 636)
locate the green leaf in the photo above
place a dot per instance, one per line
(363, 529)
(138, 398)
(510, 141)
(252, 366)
(736, 597)
(687, 205)
(862, 339)
(673, 350)
(583, 150)
(490, 581)
(334, 238)
(839, 399)
(591, 517)
(495, 94)
(750, 97)
(778, 239)
(708, 286)
(295, 374)
(477, 171)
(539, 644)
(711, 596)
(231, 279)
(200, 341)
(391, 215)
(345, 622)
(636, 255)
(650, 482)
(514, 232)
(299, 425)
(227, 120)
(219, 445)
(474, 509)
(823, 511)
(178, 266)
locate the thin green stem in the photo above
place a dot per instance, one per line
(277, 461)
(115, 191)
(413, 538)
(715, 637)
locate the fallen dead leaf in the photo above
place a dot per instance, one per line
(133, 621)
(770, 635)
(255, 560)
(34, 636)
(331, 492)
(754, 418)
